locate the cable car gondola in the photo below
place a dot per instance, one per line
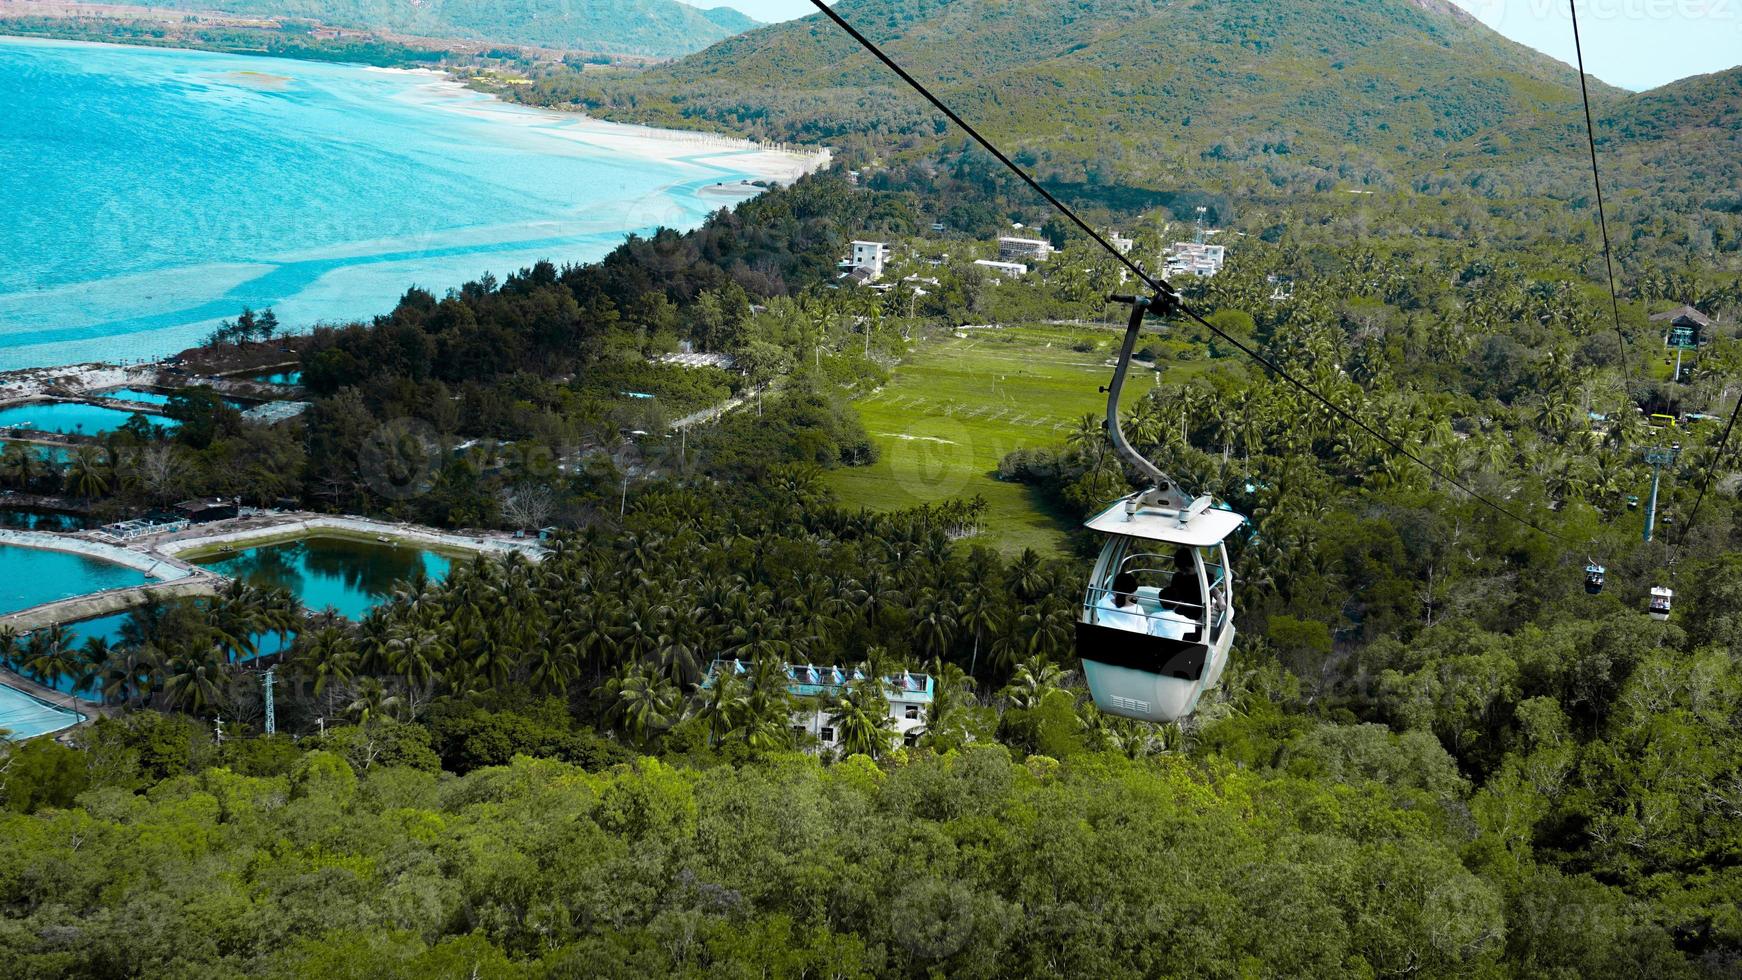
(1157, 619)
(1594, 578)
(1661, 601)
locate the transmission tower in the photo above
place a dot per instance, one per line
(271, 716)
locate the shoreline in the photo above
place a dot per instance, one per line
(690, 175)
(633, 139)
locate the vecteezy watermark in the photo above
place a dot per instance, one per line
(1704, 12)
(399, 460)
(933, 465)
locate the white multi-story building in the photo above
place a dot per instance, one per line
(1015, 270)
(1195, 259)
(1124, 245)
(867, 259)
(909, 695)
(1024, 249)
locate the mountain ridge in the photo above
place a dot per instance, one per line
(1315, 92)
(650, 28)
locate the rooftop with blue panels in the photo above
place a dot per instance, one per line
(805, 680)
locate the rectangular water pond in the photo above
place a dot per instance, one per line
(277, 377)
(71, 418)
(48, 454)
(32, 576)
(350, 577)
(29, 519)
(23, 716)
(146, 397)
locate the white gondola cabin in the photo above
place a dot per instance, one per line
(1661, 600)
(1158, 617)
(1594, 577)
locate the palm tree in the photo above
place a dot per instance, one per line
(860, 714)
(21, 464)
(86, 474)
(644, 702)
(49, 655)
(950, 698)
(1034, 680)
(130, 673)
(370, 700)
(9, 643)
(722, 705)
(328, 660)
(92, 662)
(934, 622)
(235, 618)
(194, 679)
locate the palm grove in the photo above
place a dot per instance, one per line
(1434, 753)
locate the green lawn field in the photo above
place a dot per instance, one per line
(956, 406)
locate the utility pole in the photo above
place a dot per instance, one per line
(271, 716)
(322, 722)
(1657, 458)
(218, 726)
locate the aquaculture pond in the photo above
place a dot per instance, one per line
(29, 519)
(70, 418)
(33, 576)
(147, 397)
(23, 716)
(51, 454)
(277, 378)
(349, 576)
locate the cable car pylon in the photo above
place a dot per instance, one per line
(1657, 458)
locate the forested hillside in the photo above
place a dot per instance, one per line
(656, 28)
(1434, 754)
(1351, 89)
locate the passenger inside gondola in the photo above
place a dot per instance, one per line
(1118, 608)
(1181, 592)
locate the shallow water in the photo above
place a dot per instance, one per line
(151, 192)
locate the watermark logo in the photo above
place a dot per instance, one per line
(398, 461)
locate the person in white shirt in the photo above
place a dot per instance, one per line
(1118, 608)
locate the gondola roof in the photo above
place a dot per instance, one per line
(1205, 528)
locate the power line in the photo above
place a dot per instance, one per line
(1162, 288)
(1597, 181)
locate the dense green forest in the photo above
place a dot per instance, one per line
(1433, 753)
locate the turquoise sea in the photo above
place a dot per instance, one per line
(149, 193)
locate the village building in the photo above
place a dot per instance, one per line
(909, 695)
(1686, 327)
(1000, 270)
(1024, 249)
(1195, 259)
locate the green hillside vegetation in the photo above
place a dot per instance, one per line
(1433, 754)
(1130, 90)
(1265, 101)
(1433, 750)
(656, 28)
